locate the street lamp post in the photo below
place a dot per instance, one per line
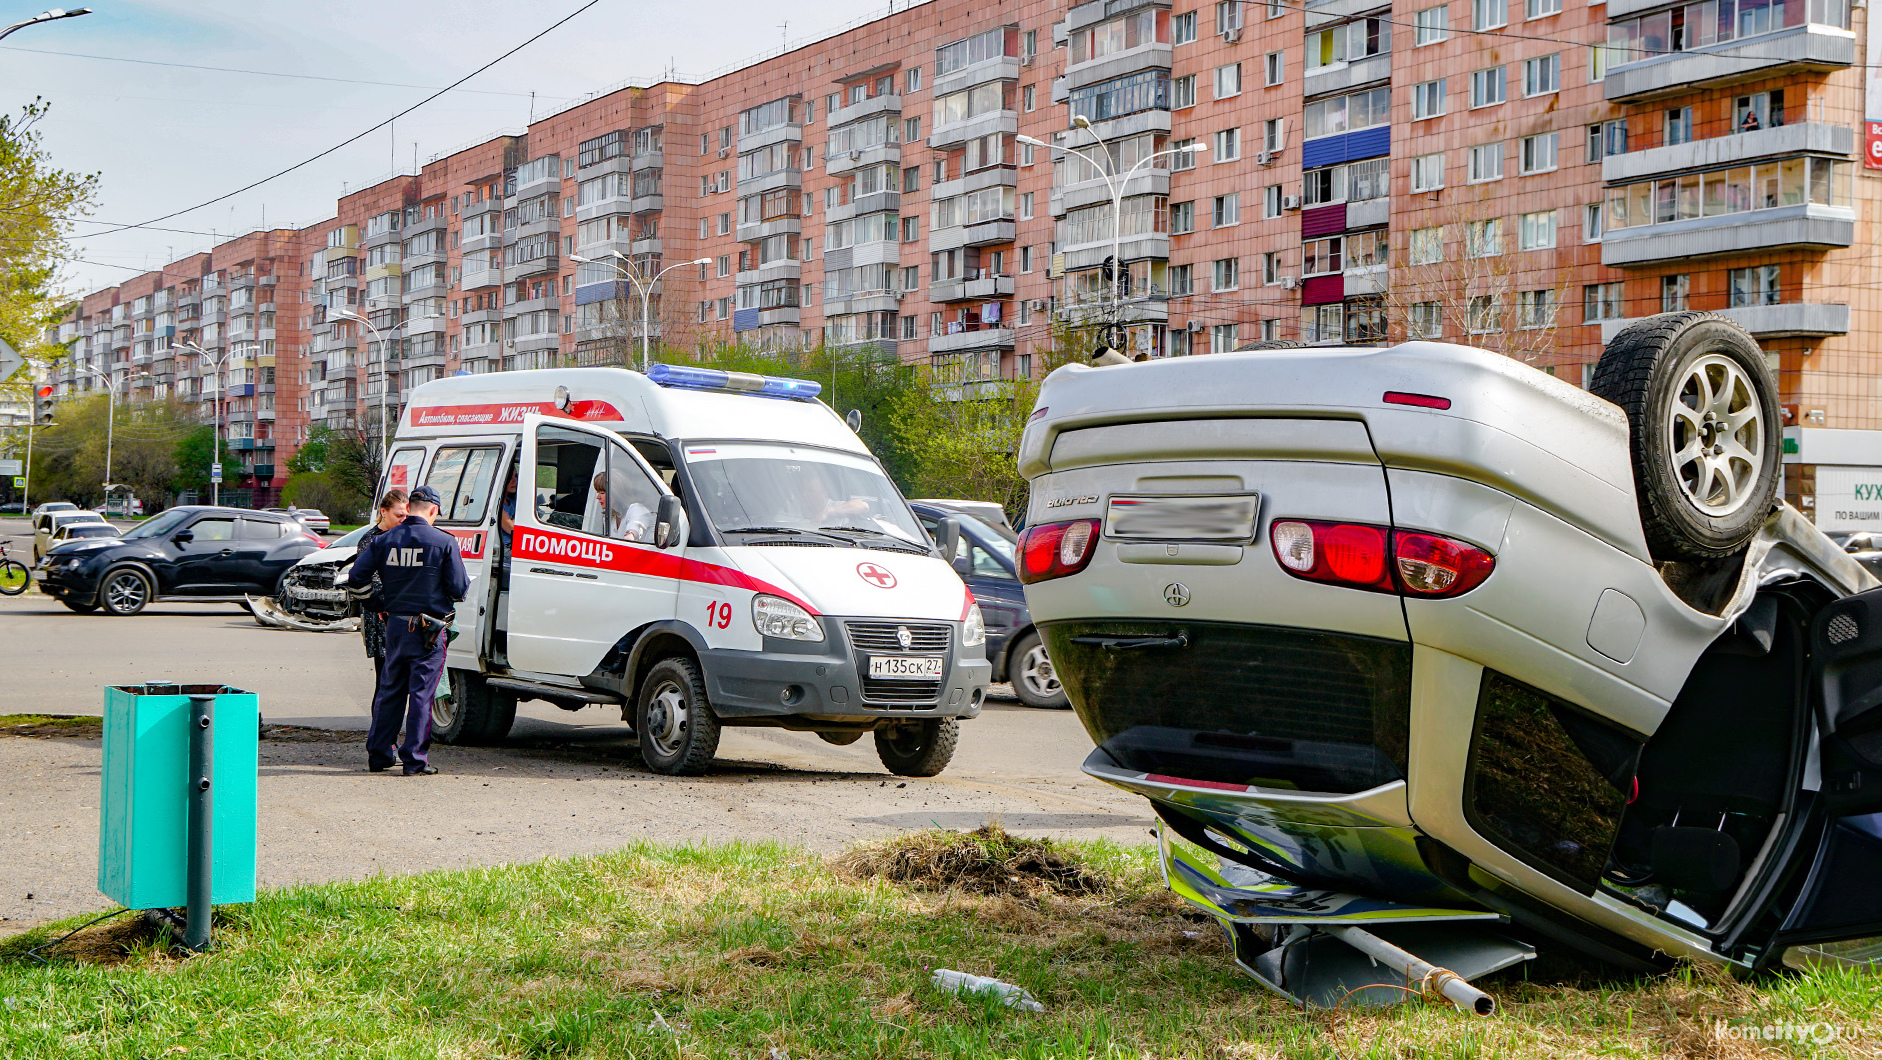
(1117, 206)
(45, 16)
(111, 406)
(645, 290)
(222, 396)
(385, 372)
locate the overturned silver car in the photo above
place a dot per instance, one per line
(311, 599)
(1438, 657)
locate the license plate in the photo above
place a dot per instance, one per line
(1219, 517)
(906, 667)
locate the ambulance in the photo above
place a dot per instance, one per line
(698, 548)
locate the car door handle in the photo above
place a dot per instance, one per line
(226, 552)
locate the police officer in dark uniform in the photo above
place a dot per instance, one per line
(423, 577)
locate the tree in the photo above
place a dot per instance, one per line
(1465, 278)
(315, 451)
(194, 453)
(319, 490)
(39, 205)
(144, 444)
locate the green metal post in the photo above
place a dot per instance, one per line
(202, 849)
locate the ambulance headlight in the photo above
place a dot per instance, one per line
(973, 627)
(781, 618)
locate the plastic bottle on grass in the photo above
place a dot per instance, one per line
(949, 981)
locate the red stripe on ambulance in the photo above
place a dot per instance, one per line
(508, 412)
(608, 555)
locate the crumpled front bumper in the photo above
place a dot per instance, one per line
(269, 613)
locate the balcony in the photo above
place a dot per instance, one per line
(868, 108)
(646, 204)
(989, 287)
(981, 337)
(989, 233)
(1783, 321)
(1811, 137)
(473, 209)
(547, 340)
(604, 208)
(789, 132)
(1799, 49)
(541, 226)
(476, 278)
(839, 163)
(650, 160)
(1807, 225)
(998, 68)
(775, 270)
(958, 133)
(752, 233)
(533, 267)
(1343, 76)
(1152, 56)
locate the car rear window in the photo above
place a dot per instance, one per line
(260, 529)
(93, 530)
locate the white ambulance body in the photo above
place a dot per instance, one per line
(708, 549)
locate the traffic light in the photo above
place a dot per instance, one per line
(42, 406)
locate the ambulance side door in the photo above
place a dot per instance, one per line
(468, 476)
(585, 570)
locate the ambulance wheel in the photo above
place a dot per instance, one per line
(1703, 430)
(678, 732)
(475, 714)
(918, 748)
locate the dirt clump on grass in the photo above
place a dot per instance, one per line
(103, 945)
(69, 726)
(303, 734)
(987, 860)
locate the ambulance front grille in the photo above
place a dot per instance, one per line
(885, 638)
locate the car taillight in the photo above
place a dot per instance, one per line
(1054, 550)
(1379, 560)
(1429, 565)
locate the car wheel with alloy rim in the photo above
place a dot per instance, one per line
(124, 591)
(1034, 680)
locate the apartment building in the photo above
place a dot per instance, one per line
(949, 183)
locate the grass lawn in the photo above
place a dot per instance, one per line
(753, 950)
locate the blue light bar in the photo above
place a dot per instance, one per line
(678, 375)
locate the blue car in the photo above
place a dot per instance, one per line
(984, 560)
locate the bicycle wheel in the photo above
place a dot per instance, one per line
(14, 578)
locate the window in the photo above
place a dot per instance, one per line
(1029, 98)
(1360, 110)
(981, 47)
(1539, 153)
(1182, 218)
(1271, 201)
(1271, 267)
(1228, 15)
(1780, 182)
(1427, 172)
(1228, 274)
(1426, 320)
(1228, 81)
(1678, 127)
(1115, 36)
(1183, 91)
(725, 265)
(1487, 87)
(1025, 259)
(1183, 159)
(911, 130)
(1026, 206)
(1488, 14)
(1535, 309)
(1319, 257)
(1761, 110)
(1227, 210)
(1228, 145)
(1484, 239)
(1223, 338)
(1600, 301)
(1486, 163)
(1713, 22)
(1026, 157)
(1428, 99)
(1674, 292)
(1346, 43)
(1541, 8)
(1427, 246)
(911, 229)
(1591, 223)
(1149, 90)
(1276, 66)
(912, 79)
(1537, 231)
(1754, 286)
(1608, 138)
(1542, 76)
(1183, 28)
(463, 478)
(1431, 25)
(1180, 283)
(1483, 314)
(1273, 134)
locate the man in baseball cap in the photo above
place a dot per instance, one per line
(423, 577)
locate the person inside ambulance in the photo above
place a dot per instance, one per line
(628, 520)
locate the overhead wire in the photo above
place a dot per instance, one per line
(362, 135)
(267, 73)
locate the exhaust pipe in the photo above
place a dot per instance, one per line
(1446, 982)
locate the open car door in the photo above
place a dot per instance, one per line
(1837, 914)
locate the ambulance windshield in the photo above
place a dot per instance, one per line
(787, 491)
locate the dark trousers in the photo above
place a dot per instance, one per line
(407, 681)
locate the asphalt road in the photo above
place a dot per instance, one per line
(566, 783)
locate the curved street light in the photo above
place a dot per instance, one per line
(1117, 204)
(385, 370)
(45, 16)
(111, 406)
(645, 290)
(222, 397)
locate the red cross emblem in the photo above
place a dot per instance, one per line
(876, 575)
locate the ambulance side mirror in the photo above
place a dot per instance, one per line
(669, 527)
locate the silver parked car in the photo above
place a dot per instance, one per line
(1430, 650)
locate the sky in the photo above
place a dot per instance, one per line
(162, 137)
